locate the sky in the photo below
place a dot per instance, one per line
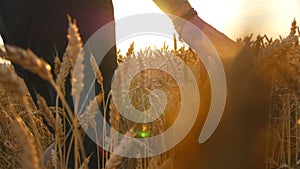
(235, 18)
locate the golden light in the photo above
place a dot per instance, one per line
(298, 121)
(144, 127)
(234, 18)
(48, 67)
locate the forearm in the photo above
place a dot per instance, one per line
(226, 47)
(177, 9)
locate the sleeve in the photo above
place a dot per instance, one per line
(3, 32)
(14, 22)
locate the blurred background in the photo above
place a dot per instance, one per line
(235, 18)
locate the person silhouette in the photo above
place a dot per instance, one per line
(42, 27)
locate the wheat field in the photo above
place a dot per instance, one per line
(265, 66)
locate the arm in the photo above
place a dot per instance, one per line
(216, 51)
(226, 47)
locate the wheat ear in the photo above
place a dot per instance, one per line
(29, 156)
(29, 61)
(10, 81)
(75, 43)
(115, 160)
(47, 114)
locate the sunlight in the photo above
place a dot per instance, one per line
(220, 16)
(127, 8)
(269, 17)
(1, 41)
(234, 18)
(2, 61)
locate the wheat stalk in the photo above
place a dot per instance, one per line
(29, 61)
(85, 163)
(64, 69)
(54, 159)
(130, 50)
(29, 156)
(77, 81)
(97, 72)
(74, 47)
(57, 65)
(115, 160)
(139, 162)
(46, 111)
(10, 81)
(89, 116)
